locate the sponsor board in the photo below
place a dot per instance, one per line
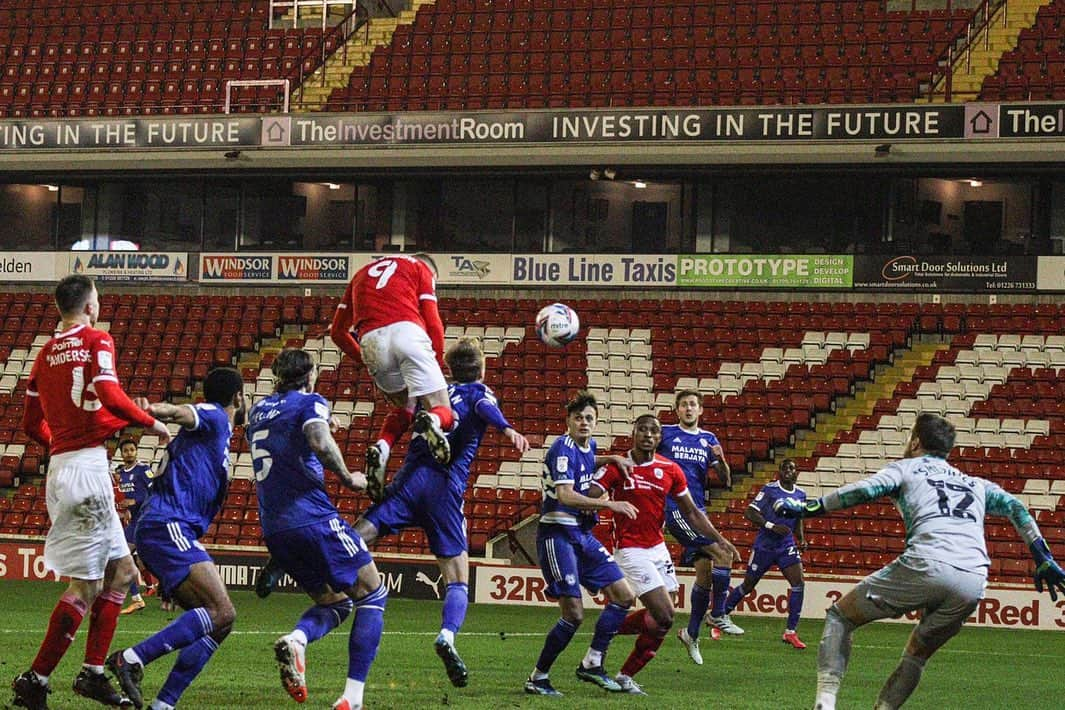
(117, 134)
(910, 272)
(816, 271)
(131, 265)
(313, 268)
(593, 270)
(1051, 273)
(29, 266)
(1002, 607)
(237, 268)
(473, 269)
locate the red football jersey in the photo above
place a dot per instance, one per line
(646, 488)
(63, 377)
(389, 290)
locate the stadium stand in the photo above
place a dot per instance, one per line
(99, 57)
(464, 54)
(1033, 70)
(833, 385)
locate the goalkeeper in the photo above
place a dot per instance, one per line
(942, 571)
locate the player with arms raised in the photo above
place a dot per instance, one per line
(291, 444)
(74, 403)
(186, 496)
(429, 495)
(776, 545)
(570, 556)
(697, 452)
(639, 546)
(942, 571)
(390, 304)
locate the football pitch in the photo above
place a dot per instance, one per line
(979, 669)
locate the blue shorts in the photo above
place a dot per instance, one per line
(571, 558)
(687, 536)
(168, 550)
(783, 556)
(328, 552)
(423, 498)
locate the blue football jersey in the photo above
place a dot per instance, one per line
(569, 463)
(763, 502)
(290, 480)
(466, 437)
(691, 451)
(193, 476)
(133, 482)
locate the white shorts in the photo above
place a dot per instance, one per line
(647, 568)
(400, 357)
(946, 594)
(86, 532)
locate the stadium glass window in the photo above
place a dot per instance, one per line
(221, 215)
(163, 215)
(272, 216)
(340, 216)
(28, 213)
(630, 215)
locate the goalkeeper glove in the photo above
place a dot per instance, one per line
(791, 508)
(1047, 571)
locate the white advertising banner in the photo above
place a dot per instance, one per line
(29, 265)
(1050, 274)
(131, 265)
(1003, 607)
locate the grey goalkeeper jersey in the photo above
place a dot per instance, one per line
(943, 509)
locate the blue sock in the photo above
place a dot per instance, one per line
(795, 606)
(456, 599)
(557, 639)
(366, 633)
(607, 627)
(191, 626)
(134, 589)
(700, 601)
(735, 597)
(719, 580)
(189, 663)
(320, 619)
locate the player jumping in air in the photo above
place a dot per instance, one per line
(942, 571)
(390, 304)
(640, 548)
(570, 556)
(697, 452)
(290, 444)
(73, 404)
(134, 479)
(186, 495)
(779, 542)
(429, 495)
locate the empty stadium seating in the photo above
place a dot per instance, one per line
(462, 54)
(1034, 70)
(766, 369)
(100, 57)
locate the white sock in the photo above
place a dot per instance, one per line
(592, 659)
(158, 704)
(353, 691)
(384, 448)
(447, 635)
(131, 657)
(537, 674)
(137, 598)
(299, 637)
(93, 669)
(827, 690)
(42, 678)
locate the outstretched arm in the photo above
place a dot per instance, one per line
(572, 499)
(340, 329)
(183, 414)
(321, 441)
(701, 523)
(885, 482)
(489, 411)
(1047, 571)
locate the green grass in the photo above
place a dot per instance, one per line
(980, 669)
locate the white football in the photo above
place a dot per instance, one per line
(557, 324)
